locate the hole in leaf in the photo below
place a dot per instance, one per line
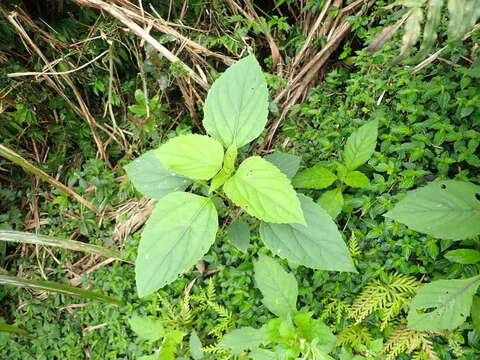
(477, 196)
(443, 186)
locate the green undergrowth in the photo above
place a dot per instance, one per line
(428, 129)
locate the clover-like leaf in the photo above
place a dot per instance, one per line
(194, 156)
(179, 232)
(319, 245)
(444, 209)
(263, 191)
(152, 179)
(236, 107)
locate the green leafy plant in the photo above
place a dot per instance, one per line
(175, 322)
(183, 225)
(293, 334)
(448, 210)
(357, 151)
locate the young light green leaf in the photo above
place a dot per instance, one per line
(279, 288)
(179, 232)
(463, 256)
(152, 179)
(147, 328)
(444, 209)
(316, 177)
(356, 179)
(242, 339)
(262, 354)
(450, 300)
(287, 163)
(332, 202)
(361, 145)
(261, 189)
(236, 107)
(413, 30)
(230, 158)
(218, 180)
(195, 346)
(475, 313)
(239, 235)
(194, 156)
(319, 245)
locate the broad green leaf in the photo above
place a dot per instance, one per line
(287, 163)
(356, 179)
(179, 232)
(360, 145)
(316, 177)
(413, 30)
(195, 346)
(152, 179)
(332, 202)
(463, 256)
(442, 304)
(236, 107)
(239, 235)
(475, 313)
(150, 357)
(28, 238)
(194, 156)
(319, 245)
(242, 339)
(58, 288)
(261, 189)
(13, 329)
(444, 209)
(147, 328)
(279, 288)
(463, 14)
(262, 354)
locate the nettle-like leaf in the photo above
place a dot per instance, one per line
(278, 287)
(444, 209)
(332, 202)
(319, 245)
(179, 232)
(356, 179)
(287, 163)
(316, 177)
(147, 328)
(242, 339)
(194, 156)
(152, 179)
(239, 235)
(442, 304)
(361, 145)
(263, 191)
(236, 107)
(463, 256)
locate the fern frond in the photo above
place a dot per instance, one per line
(405, 341)
(211, 291)
(355, 335)
(354, 248)
(215, 349)
(389, 299)
(170, 312)
(334, 308)
(452, 342)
